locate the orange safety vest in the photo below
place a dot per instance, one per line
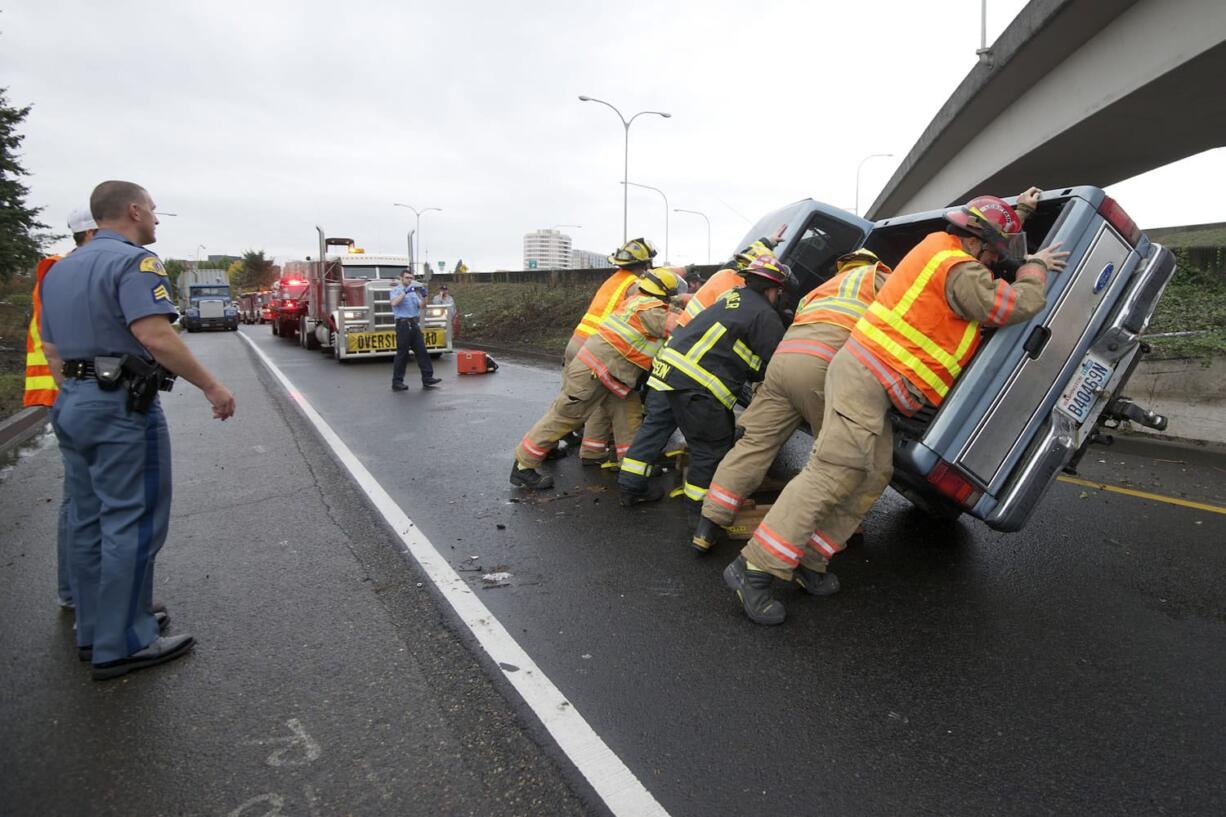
(843, 299)
(40, 385)
(608, 298)
(709, 293)
(625, 332)
(911, 328)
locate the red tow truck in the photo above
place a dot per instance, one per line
(288, 302)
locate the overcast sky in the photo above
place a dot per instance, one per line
(255, 121)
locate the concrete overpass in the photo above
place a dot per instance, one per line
(1074, 92)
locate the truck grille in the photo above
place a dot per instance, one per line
(380, 300)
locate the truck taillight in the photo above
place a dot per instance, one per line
(289, 304)
(293, 282)
(946, 479)
(1110, 209)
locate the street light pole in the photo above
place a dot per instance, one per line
(626, 164)
(858, 167)
(199, 247)
(704, 218)
(661, 192)
(417, 231)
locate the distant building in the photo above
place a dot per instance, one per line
(586, 259)
(546, 249)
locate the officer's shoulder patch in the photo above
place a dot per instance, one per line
(160, 293)
(151, 263)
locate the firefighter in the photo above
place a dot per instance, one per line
(700, 371)
(905, 352)
(655, 404)
(41, 389)
(632, 259)
(603, 374)
(794, 391)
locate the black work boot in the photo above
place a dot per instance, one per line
(556, 453)
(753, 588)
(814, 583)
(706, 533)
(654, 493)
(529, 478)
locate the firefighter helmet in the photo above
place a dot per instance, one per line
(994, 222)
(856, 258)
(635, 251)
(746, 256)
(662, 283)
(771, 268)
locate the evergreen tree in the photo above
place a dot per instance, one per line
(21, 243)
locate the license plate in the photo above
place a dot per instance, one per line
(435, 338)
(1082, 393)
(357, 342)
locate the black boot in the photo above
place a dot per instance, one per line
(706, 533)
(753, 588)
(814, 583)
(654, 493)
(556, 453)
(529, 478)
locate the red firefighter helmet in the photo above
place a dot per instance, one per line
(994, 221)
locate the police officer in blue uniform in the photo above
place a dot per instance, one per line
(106, 326)
(407, 300)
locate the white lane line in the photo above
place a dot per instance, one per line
(614, 783)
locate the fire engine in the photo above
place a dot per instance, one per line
(348, 304)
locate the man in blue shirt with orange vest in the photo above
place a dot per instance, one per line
(407, 300)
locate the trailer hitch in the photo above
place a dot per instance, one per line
(1122, 408)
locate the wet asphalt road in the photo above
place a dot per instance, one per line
(1075, 668)
(1078, 667)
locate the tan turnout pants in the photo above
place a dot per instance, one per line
(598, 427)
(849, 466)
(794, 389)
(582, 394)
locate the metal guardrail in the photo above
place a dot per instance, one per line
(25, 424)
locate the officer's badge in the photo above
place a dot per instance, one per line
(154, 265)
(159, 291)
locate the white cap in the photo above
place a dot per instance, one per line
(80, 220)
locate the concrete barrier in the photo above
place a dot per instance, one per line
(1190, 393)
(20, 427)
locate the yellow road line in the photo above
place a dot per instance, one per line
(1170, 500)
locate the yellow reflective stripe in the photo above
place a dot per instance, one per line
(847, 306)
(968, 337)
(921, 280)
(637, 467)
(919, 339)
(698, 375)
(746, 354)
(658, 384)
(851, 284)
(36, 358)
(42, 382)
(903, 356)
(632, 336)
(704, 344)
(695, 493)
(693, 307)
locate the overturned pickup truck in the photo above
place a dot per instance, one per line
(1036, 394)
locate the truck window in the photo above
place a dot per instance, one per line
(813, 254)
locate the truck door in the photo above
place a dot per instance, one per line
(824, 234)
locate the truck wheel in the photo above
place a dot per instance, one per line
(435, 355)
(274, 329)
(309, 341)
(336, 350)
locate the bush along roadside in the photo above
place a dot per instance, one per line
(1194, 302)
(534, 317)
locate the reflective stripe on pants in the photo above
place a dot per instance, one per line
(849, 466)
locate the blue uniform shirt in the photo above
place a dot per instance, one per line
(93, 295)
(410, 307)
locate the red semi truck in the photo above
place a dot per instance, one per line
(345, 305)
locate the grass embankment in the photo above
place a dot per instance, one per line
(14, 319)
(533, 317)
(1194, 301)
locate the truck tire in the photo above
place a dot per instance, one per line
(435, 355)
(309, 341)
(274, 329)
